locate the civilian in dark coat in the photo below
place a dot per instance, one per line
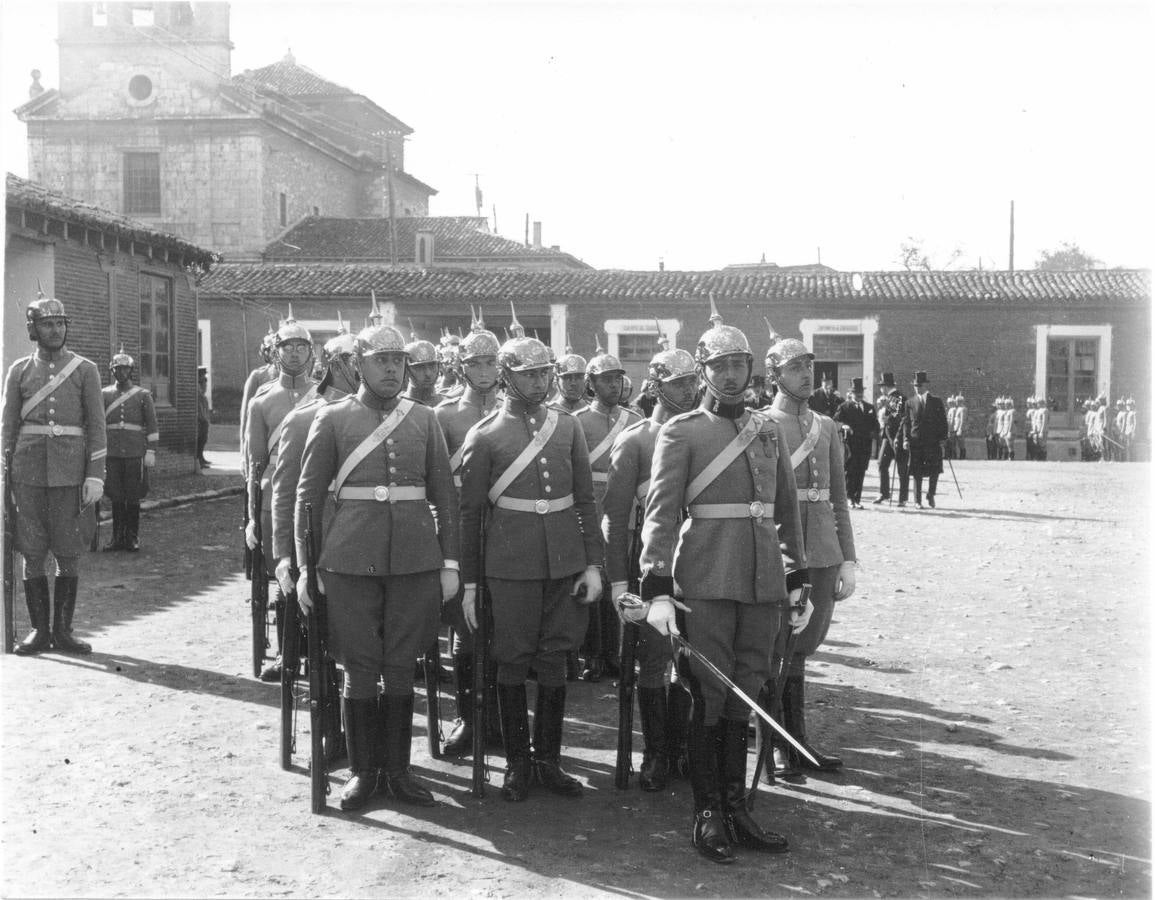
(857, 418)
(825, 400)
(925, 428)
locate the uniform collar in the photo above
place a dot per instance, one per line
(368, 398)
(295, 382)
(473, 397)
(788, 405)
(734, 411)
(518, 407)
(51, 355)
(599, 407)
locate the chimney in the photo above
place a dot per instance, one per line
(36, 88)
(661, 264)
(423, 252)
(537, 235)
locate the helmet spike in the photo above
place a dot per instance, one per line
(460, 336)
(39, 289)
(515, 327)
(599, 350)
(412, 330)
(341, 328)
(774, 336)
(480, 319)
(663, 340)
(715, 316)
(568, 346)
(289, 317)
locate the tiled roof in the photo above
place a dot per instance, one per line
(28, 195)
(877, 288)
(454, 237)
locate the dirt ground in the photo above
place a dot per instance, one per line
(988, 688)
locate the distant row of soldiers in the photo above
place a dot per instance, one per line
(520, 487)
(1108, 433)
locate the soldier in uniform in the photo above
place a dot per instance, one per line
(273, 402)
(264, 373)
(204, 416)
(602, 421)
(674, 377)
(54, 435)
(477, 354)
(387, 561)
(735, 560)
(133, 435)
(958, 428)
(857, 416)
(526, 476)
(571, 372)
(924, 428)
(449, 384)
(951, 407)
(424, 368)
(816, 453)
(891, 410)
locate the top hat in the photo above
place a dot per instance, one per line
(887, 380)
(920, 378)
(856, 385)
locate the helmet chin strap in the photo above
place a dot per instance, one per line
(395, 394)
(721, 395)
(789, 393)
(669, 404)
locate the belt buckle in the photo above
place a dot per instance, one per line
(541, 507)
(380, 493)
(757, 510)
(812, 495)
(58, 430)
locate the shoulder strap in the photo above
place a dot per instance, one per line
(525, 457)
(719, 463)
(123, 398)
(53, 383)
(604, 445)
(375, 439)
(807, 445)
(457, 457)
(275, 437)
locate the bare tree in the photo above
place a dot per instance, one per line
(913, 255)
(1069, 257)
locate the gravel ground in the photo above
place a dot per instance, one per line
(987, 687)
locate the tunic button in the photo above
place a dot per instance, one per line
(532, 421)
(545, 474)
(389, 441)
(814, 459)
(52, 365)
(758, 488)
(392, 455)
(755, 471)
(548, 489)
(544, 460)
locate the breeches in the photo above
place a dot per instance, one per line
(654, 655)
(735, 637)
(50, 519)
(126, 478)
(535, 623)
(380, 625)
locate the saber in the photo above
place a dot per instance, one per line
(634, 609)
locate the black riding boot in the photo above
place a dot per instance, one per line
(794, 718)
(740, 825)
(40, 637)
(460, 741)
(63, 606)
(547, 726)
(677, 721)
(655, 773)
(132, 527)
(396, 722)
(514, 708)
(765, 744)
(709, 836)
(117, 541)
(363, 741)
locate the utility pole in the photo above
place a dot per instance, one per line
(495, 231)
(477, 199)
(527, 229)
(1012, 253)
(389, 189)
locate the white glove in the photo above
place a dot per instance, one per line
(592, 579)
(617, 588)
(284, 579)
(799, 615)
(450, 582)
(847, 575)
(149, 458)
(92, 491)
(662, 615)
(469, 607)
(304, 599)
(251, 535)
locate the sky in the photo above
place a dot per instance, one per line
(707, 134)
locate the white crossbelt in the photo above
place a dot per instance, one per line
(755, 510)
(381, 493)
(813, 495)
(53, 430)
(124, 426)
(541, 507)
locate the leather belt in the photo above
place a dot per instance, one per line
(813, 495)
(381, 493)
(601, 477)
(53, 430)
(755, 510)
(541, 507)
(124, 426)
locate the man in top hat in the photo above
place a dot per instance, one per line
(816, 455)
(891, 412)
(925, 430)
(133, 435)
(55, 443)
(674, 377)
(273, 402)
(825, 400)
(602, 421)
(737, 561)
(477, 356)
(388, 558)
(857, 417)
(526, 485)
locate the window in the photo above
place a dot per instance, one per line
(140, 87)
(283, 202)
(142, 17)
(637, 347)
(142, 184)
(156, 316)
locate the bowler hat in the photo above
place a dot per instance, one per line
(887, 380)
(920, 378)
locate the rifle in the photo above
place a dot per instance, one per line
(429, 667)
(290, 667)
(321, 693)
(259, 582)
(480, 655)
(9, 556)
(247, 556)
(628, 679)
